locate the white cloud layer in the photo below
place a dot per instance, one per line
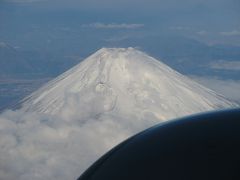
(226, 65)
(112, 26)
(37, 146)
(202, 33)
(180, 28)
(230, 33)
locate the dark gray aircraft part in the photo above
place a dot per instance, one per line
(201, 147)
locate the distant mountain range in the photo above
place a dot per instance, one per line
(16, 63)
(22, 72)
(186, 55)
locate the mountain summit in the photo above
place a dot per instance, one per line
(124, 83)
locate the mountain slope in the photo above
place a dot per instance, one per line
(123, 82)
(112, 95)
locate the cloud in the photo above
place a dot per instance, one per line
(117, 39)
(230, 33)
(39, 146)
(227, 87)
(36, 146)
(202, 33)
(112, 26)
(3, 45)
(226, 65)
(180, 28)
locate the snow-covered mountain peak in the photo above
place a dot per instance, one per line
(123, 82)
(119, 55)
(114, 51)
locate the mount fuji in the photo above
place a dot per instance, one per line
(121, 82)
(66, 125)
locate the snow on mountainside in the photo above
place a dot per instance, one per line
(124, 83)
(70, 122)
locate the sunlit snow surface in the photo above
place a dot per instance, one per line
(66, 125)
(124, 82)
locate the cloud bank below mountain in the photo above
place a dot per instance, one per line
(38, 146)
